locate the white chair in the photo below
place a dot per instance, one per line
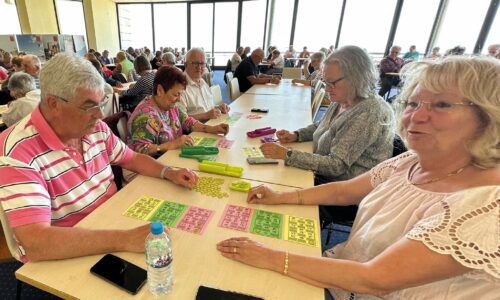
(292, 73)
(229, 76)
(216, 92)
(234, 89)
(112, 106)
(316, 104)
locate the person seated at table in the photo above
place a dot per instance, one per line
(289, 55)
(168, 59)
(412, 54)
(270, 51)
(356, 132)
(434, 53)
(248, 72)
(246, 51)
(316, 61)
(3, 74)
(157, 124)
(236, 58)
(31, 65)
(198, 100)
(105, 58)
(6, 63)
(390, 64)
(125, 67)
(156, 61)
(142, 88)
(26, 98)
(277, 63)
(494, 50)
(427, 226)
(304, 54)
(56, 168)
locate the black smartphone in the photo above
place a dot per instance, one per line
(120, 272)
(209, 293)
(260, 110)
(261, 161)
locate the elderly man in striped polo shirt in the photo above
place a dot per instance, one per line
(55, 168)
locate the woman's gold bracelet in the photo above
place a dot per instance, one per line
(285, 270)
(300, 201)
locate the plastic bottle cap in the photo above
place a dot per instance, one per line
(156, 228)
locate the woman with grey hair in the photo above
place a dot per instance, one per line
(168, 59)
(356, 132)
(316, 61)
(427, 226)
(142, 88)
(22, 88)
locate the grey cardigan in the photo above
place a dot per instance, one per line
(348, 144)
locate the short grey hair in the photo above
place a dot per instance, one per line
(194, 50)
(358, 68)
(65, 73)
(318, 55)
(33, 59)
(21, 83)
(169, 58)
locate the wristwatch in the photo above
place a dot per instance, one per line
(158, 150)
(288, 153)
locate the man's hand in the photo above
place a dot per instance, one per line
(214, 113)
(221, 128)
(184, 177)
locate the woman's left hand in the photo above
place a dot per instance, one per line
(247, 251)
(222, 128)
(273, 150)
(224, 108)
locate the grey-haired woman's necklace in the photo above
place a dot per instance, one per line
(410, 179)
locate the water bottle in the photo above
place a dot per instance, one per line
(159, 260)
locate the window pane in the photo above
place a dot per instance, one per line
(8, 15)
(136, 26)
(457, 30)
(226, 25)
(70, 18)
(252, 23)
(415, 24)
(167, 17)
(281, 24)
(201, 26)
(314, 16)
(367, 24)
(493, 35)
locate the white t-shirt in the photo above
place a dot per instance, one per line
(21, 107)
(446, 223)
(197, 98)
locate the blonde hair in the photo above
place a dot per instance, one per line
(474, 78)
(121, 56)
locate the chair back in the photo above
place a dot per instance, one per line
(228, 69)
(9, 235)
(118, 123)
(235, 89)
(112, 105)
(319, 84)
(216, 92)
(229, 76)
(292, 73)
(316, 104)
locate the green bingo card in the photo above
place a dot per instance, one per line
(267, 223)
(168, 213)
(204, 141)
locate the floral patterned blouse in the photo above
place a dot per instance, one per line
(150, 125)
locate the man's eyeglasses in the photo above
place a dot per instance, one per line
(198, 64)
(332, 84)
(89, 109)
(439, 106)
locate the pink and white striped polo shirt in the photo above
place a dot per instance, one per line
(44, 181)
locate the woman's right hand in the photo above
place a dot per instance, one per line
(263, 195)
(183, 140)
(285, 136)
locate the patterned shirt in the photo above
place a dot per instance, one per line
(150, 125)
(390, 65)
(45, 181)
(142, 88)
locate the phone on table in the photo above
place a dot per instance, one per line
(260, 110)
(120, 272)
(209, 293)
(261, 161)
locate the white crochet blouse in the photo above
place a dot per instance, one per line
(464, 224)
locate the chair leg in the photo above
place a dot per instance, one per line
(18, 289)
